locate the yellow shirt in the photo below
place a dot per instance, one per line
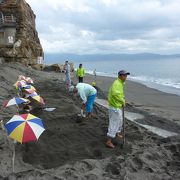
(116, 97)
(80, 72)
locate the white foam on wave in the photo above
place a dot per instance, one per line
(163, 84)
(160, 81)
(98, 73)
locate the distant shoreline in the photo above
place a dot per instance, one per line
(159, 87)
(161, 78)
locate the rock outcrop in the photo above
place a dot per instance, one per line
(18, 36)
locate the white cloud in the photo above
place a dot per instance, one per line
(109, 3)
(108, 26)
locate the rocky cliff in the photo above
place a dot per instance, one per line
(18, 36)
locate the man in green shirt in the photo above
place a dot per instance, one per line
(80, 73)
(116, 102)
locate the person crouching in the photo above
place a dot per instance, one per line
(88, 95)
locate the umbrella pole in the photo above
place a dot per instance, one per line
(17, 109)
(18, 92)
(2, 124)
(14, 154)
(123, 118)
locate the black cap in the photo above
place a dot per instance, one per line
(123, 72)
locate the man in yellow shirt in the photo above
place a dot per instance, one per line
(80, 73)
(116, 102)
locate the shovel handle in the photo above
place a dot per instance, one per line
(123, 118)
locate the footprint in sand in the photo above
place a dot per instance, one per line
(83, 166)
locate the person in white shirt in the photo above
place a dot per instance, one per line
(87, 93)
(67, 70)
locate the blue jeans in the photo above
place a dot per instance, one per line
(90, 102)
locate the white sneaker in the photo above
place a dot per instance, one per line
(82, 113)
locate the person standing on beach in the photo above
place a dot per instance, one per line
(94, 73)
(67, 71)
(94, 82)
(88, 94)
(116, 101)
(80, 73)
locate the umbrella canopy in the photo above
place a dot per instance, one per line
(14, 101)
(24, 127)
(38, 99)
(20, 84)
(29, 80)
(29, 87)
(31, 95)
(29, 91)
(21, 77)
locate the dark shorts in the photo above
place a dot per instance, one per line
(80, 79)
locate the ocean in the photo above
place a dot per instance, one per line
(161, 74)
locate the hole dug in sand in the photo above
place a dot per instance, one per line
(66, 140)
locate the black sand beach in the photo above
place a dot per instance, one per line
(73, 148)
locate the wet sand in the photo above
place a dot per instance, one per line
(73, 148)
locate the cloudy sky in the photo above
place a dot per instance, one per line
(108, 26)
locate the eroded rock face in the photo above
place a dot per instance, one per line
(18, 36)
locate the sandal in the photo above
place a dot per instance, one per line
(119, 135)
(110, 145)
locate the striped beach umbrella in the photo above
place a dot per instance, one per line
(38, 99)
(24, 128)
(31, 95)
(19, 84)
(27, 86)
(14, 101)
(29, 80)
(29, 91)
(21, 77)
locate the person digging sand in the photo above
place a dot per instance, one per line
(116, 102)
(88, 94)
